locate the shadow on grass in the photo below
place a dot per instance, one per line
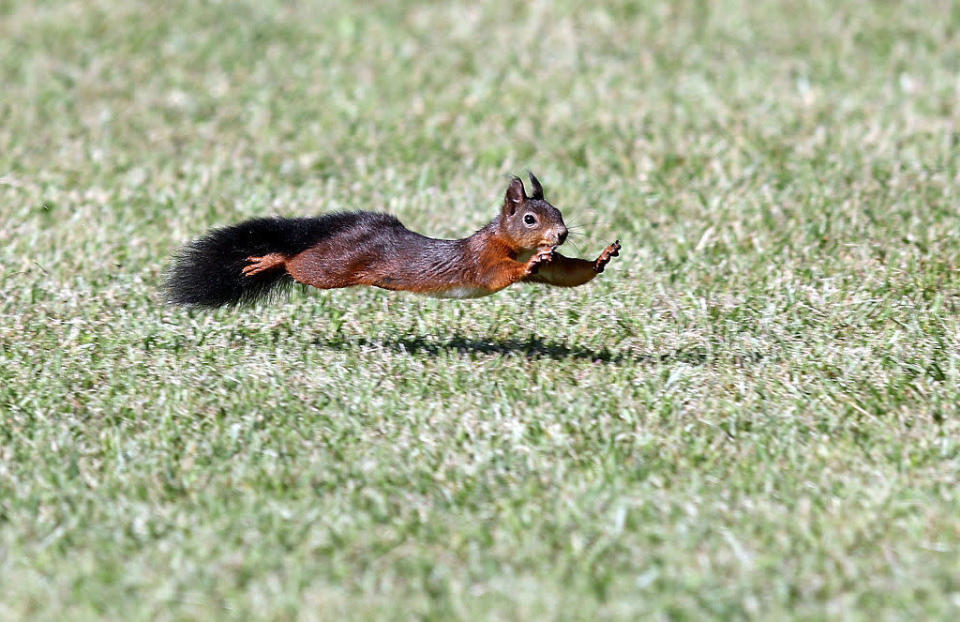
(532, 347)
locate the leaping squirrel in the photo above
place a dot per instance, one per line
(243, 262)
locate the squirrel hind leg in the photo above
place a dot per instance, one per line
(264, 263)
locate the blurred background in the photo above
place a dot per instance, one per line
(635, 114)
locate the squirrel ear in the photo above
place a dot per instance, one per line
(515, 197)
(537, 188)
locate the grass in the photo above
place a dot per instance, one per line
(751, 414)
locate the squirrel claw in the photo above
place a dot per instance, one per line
(609, 252)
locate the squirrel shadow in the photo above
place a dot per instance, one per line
(532, 347)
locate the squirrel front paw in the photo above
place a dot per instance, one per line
(609, 252)
(542, 256)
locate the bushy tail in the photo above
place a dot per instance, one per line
(208, 272)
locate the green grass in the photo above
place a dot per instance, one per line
(751, 414)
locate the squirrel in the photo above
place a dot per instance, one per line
(245, 262)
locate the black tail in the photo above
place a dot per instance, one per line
(208, 272)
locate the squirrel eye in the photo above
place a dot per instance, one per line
(529, 219)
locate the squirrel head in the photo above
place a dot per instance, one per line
(529, 221)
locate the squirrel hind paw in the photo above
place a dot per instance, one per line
(262, 264)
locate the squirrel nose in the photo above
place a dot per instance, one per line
(562, 237)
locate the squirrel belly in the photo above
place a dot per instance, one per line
(461, 292)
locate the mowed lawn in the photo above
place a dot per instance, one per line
(751, 414)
